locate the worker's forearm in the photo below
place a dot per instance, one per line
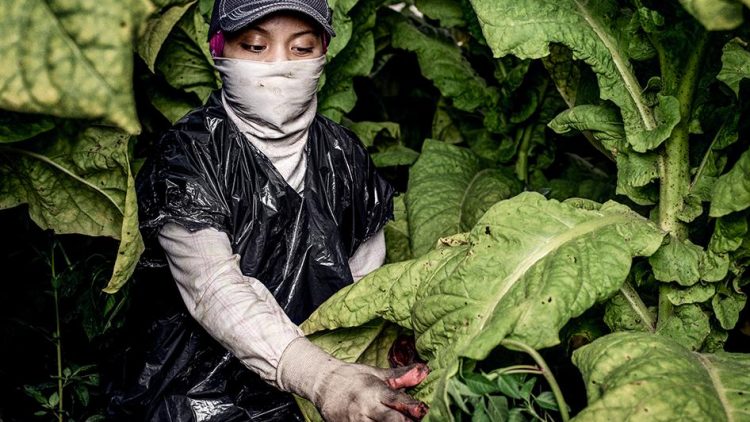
(236, 310)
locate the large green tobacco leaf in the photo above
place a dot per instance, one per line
(70, 58)
(735, 64)
(640, 377)
(443, 63)
(80, 183)
(732, 190)
(527, 28)
(448, 191)
(528, 266)
(715, 15)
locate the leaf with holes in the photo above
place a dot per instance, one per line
(461, 300)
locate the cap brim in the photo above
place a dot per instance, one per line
(237, 23)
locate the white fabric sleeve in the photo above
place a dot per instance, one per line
(369, 256)
(236, 310)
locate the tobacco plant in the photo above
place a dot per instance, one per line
(563, 164)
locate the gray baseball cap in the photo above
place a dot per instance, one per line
(232, 15)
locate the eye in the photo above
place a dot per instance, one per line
(253, 48)
(303, 50)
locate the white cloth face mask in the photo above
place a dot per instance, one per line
(274, 100)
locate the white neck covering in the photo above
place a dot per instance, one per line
(273, 104)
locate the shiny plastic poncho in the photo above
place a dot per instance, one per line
(204, 173)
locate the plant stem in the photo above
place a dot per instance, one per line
(674, 160)
(58, 337)
(635, 302)
(522, 165)
(517, 345)
(665, 306)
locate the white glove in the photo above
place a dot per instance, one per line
(346, 392)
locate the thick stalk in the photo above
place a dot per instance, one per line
(674, 161)
(517, 345)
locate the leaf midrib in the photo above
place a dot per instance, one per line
(540, 253)
(65, 171)
(66, 35)
(718, 386)
(629, 80)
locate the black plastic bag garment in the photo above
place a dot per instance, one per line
(204, 173)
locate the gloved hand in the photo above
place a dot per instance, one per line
(346, 392)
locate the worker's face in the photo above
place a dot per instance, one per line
(278, 37)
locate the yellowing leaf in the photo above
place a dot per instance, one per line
(81, 183)
(70, 58)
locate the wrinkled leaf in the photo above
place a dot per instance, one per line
(732, 190)
(398, 245)
(171, 103)
(735, 64)
(713, 163)
(636, 376)
(71, 58)
(729, 233)
(678, 261)
(443, 63)
(448, 191)
(184, 59)
(715, 341)
(337, 97)
(586, 29)
(688, 325)
(448, 12)
(634, 170)
(81, 183)
(462, 301)
(697, 293)
(443, 127)
(620, 315)
(727, 306)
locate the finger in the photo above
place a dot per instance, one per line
(388, 415)
(405, 404)
(408, 376)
